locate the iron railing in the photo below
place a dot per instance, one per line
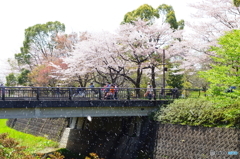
(73, 93)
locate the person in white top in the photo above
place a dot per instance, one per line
(149, 92)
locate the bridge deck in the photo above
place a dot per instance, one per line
(84, 108)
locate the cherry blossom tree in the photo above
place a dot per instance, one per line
(46, 74)
(95, 58)
(210, 21)
(122, 55)
(141, 45)
(65, 44)
(40, 76)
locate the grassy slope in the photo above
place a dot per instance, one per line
(33, 143)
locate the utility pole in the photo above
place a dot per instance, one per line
(163, 61)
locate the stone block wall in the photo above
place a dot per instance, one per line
(190, 142)
(51, 128)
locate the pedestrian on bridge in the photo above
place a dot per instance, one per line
(57, 91)
(175, 93)
(116, 91)
(80, 92)
(91, 85)
(107, 89)
(1, 89)
(93, 90)
(149, 92)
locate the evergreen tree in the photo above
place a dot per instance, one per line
(236, 3)
(11, 80)
(148, 13)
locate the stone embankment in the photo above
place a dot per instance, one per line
(134, 137)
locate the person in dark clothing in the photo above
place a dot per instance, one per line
(231, 88)
(80, 92)
(1, 89)
(57, 91)
(116, 91)
(175, 92)
(149, 92)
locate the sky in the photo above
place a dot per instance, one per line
(77, 15)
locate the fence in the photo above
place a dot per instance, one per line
(73, 93)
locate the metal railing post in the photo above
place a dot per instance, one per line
(38, 93)
(100, 94)
(3, 93)
(163, 93)
(154, 94)
(70, 93)
(128, 94)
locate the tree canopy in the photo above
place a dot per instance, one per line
(44, 44)
(236, 3)
(168, 15)
(211, 20)
(39, 43)
(124, 55)
(148, 13)
(144, 12)
(226, 67)
(133, 52)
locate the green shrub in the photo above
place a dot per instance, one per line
(232, 115)
(201, 112)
